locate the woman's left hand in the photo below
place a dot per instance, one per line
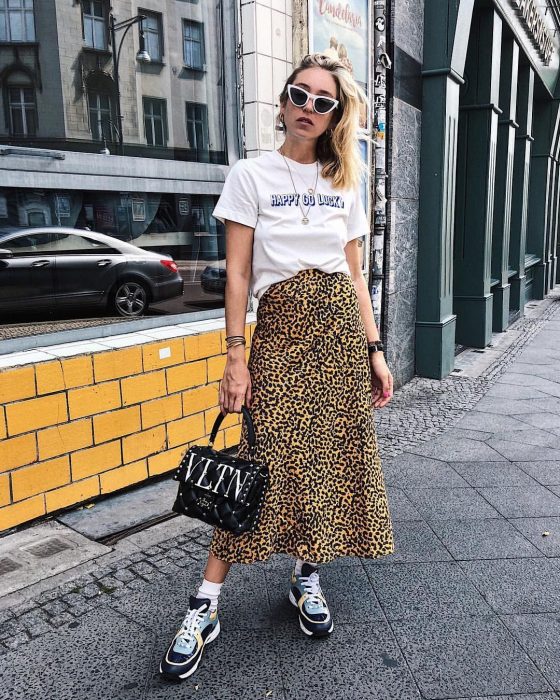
(381, 380)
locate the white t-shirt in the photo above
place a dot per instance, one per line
(258, 192)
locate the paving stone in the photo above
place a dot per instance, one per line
(533, 529)
(539, 385)
(38, 629)
(451, 449)
(6, 615)
(467, 656)
(61, 619)
(55, 607)
(124, 575)
(539, 634)
(478, 420)
(415, 541)
(544, 421)
(521, 452)
(73, 599)
(79, 673)
(410, 590)
(444, 503)
(19, 640)
(47, 596)
(513, 386)
(546, 473)
(529, 436)
(513, 586)
(408, 470)
(491, 538)
(142, 568)
(340, 666)
(471, 434)
(244, 602)
(515, 407)
(152, 551)
(91, 591)
(493, 474)
(161, 607)
(23, 608)
(238, 664)
(522, 501)
(400, 506)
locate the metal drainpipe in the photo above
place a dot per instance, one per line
(382, 65)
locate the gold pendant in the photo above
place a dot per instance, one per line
(305, 220)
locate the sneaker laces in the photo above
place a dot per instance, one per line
(312, 588)
(190, 623)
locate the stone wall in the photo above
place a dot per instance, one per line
(404, 115)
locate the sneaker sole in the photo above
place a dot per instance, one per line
(182, 676)
(303, 628)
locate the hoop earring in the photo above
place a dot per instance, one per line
(281, 126)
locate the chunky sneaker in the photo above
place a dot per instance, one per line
(306, 594)
(199, 627)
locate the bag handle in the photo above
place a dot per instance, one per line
(248, 420)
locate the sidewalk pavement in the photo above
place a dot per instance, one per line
(468, 606)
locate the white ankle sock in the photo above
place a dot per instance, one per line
(300, 563)
(211, 590)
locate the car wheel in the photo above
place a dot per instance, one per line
(130, 298)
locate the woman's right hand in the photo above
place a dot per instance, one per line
(235, 387)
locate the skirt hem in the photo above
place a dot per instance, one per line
(306, 557)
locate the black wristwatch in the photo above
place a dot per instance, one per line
(375, 346)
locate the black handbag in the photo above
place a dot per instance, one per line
(221, 489)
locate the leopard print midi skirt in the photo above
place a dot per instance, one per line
(313, 417)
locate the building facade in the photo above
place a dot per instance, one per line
(488, 217)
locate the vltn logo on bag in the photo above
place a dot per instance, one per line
(236, 478)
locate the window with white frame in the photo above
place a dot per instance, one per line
(95, 24)
(197, 126)
(155, 121)
(153, 34)
(193, 44)
(17, 22)
(100, 116)
(23, 110)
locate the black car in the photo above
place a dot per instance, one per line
(213, 278)
(56, 268)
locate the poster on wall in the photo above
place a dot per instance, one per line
(62, 206)
(340, 30)
(138, 210)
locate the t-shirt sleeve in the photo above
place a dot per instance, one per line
(239, 200)
(358, 224)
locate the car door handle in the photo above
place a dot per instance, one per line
(103, 263)
(40, 263)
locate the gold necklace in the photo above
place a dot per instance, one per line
(310, 190)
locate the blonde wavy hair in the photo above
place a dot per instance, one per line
(338, 150)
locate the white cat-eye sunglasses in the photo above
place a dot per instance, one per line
(321, 104)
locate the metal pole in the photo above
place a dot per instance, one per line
(117, 84)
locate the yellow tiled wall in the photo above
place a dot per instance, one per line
(75, 428)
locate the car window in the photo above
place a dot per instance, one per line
(74, 244)
(29, 245)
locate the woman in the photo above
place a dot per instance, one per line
(293, 220)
